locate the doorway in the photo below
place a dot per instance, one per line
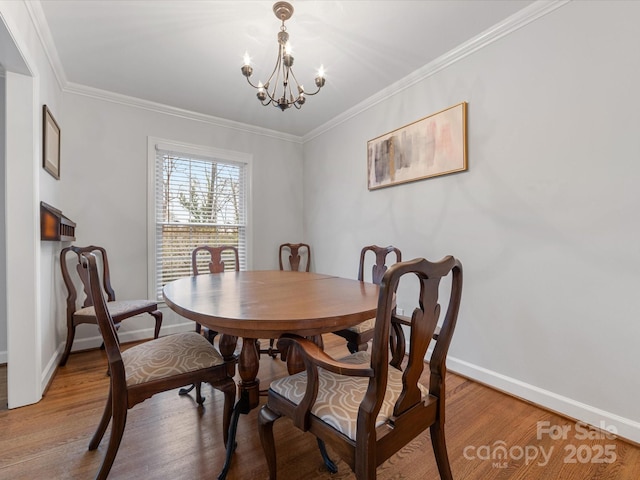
(19, 210)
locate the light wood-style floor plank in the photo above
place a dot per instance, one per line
(168, 436)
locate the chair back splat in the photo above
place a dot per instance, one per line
(388, 405)
(299, 257)
(217, 260)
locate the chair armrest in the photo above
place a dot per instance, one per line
(316, 356)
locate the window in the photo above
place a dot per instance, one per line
(200, 198)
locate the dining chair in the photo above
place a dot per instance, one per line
(388, 404)
(299, 260)
(213, 260)
(151, 367)
(210, 259)
(358, 336)
(299, 257)
(82, 310)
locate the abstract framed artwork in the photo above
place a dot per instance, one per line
(429, 147)
(50, 143)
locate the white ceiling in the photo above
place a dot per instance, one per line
(188, 54)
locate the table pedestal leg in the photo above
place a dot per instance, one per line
(248, 369)
(227, 346)
(249, 388)
(294, 360)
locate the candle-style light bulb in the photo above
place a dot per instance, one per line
(320, 77)
(246, 68)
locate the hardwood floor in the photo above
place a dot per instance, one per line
(170, 437)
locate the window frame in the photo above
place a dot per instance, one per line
(153, 145)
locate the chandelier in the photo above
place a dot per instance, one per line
(282, 89)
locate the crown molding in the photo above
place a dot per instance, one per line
(516, 21)
(44, 34)
(77, 89)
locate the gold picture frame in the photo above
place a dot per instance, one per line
(50, 143)
(432, 146)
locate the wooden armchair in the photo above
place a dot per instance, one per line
(359, 335)
(149, 368)
(85, 312)
(299, 256)
(388, 406)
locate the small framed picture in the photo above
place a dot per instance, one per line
(50, 143)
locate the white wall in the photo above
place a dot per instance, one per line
(545, 221)
(104, 180)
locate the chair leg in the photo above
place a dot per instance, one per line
(104, 423)
(229, 390)
(157, 314)
(266, 417)
(440, 450)
(331, 466)
(117, 429)
(211, 336)
(241, 406)
(71, 333)
(199, 397)
(186, 390)
(273, 352)
(357, 347)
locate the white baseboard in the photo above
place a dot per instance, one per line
(624, 427)
(3, 357)
(88, 343)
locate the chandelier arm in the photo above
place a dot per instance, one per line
(295, 80)
(276, 69)
(251, 83)
(274, 85)
(273, 82)
(298, 84)
(310, 93)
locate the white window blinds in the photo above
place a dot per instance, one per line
(198, 201)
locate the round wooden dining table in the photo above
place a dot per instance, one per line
(267, 304)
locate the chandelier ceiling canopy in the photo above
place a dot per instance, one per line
(282, 88)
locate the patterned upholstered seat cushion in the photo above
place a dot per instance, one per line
(364, 326)
(117, 307)
(339, 396)
(167, 356)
